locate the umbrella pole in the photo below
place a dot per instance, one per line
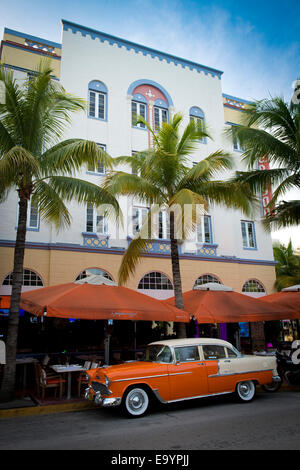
(106, 344)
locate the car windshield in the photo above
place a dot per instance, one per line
(158, 353)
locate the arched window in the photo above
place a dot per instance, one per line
(252, 285)
(155, 280)
(151, 101)
(205, 278)
(197, 115)
(97, 100)
(30, 278)
(90, 271)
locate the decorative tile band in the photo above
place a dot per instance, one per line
(112, 40)
(120, 252)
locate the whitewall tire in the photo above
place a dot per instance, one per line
(135, 402)
(245, 391)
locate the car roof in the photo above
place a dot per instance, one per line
(193, 341)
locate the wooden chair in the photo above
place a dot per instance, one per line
(44, 382)
(81, 378)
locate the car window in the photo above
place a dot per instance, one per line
(158, 353)
(213, 352)
(231, 353)
(187, 354)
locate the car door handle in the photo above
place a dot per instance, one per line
(200, 364)
(227, 360)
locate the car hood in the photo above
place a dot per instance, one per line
(129, 370)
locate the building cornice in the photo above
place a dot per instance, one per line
(138, 48)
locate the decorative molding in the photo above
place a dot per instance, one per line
(120, 251)
(16, 45)
(138, 48)
(235, 103)
(32, 38)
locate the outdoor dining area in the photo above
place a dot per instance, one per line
(94, 322)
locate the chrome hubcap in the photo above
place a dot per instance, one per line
(245, 389)
(136, 401)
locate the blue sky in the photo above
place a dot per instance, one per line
(256, 43)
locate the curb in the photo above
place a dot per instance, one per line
(45, 409)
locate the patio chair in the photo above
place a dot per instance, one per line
(81, 378)
(44, 382)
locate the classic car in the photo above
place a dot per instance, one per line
(180, 369)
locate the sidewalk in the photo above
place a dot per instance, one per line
(30, 406)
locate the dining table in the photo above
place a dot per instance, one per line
(68, 369)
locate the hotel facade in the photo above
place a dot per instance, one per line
(119, 79)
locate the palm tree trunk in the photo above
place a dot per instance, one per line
(8, 383)
(180, 327)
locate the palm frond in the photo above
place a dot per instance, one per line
(131, 258)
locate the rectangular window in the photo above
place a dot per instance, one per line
(236, 144)
(32, 216)
(100, 170)
(95, 222)
(204, 232)
(198, 120)
(138, 109)
(138, 218)
(97, 103)
(248, 234)
(160, 116)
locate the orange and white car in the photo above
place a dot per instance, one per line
(180, 369)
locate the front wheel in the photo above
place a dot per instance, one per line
(135, 402)
(245, 391)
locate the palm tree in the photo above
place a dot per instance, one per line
(287, 267)
(272, 129)
(41, 168)
(161, 177)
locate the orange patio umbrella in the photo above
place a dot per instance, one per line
(97, 298)
(220, 304)
(288, 298)
(105, 301)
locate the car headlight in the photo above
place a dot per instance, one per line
(107, 381)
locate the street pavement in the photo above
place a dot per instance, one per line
(269, 422)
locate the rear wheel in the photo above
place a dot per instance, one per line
(271, 387)
(135, 403)
(245, 391)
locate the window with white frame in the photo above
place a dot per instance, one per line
(252, 285)
(30, 278)
(205, 278)
(160, 116)
(100, 169)
(138, 109)
(91, 271)
(33, 216)
(197, 116)
(97, 100)
(236, 143)
(204, 230)
(154, 281)
(95, 220)
(138, 218)
(248, 234)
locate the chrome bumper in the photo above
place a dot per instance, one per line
(101, 401)
(276, 378)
